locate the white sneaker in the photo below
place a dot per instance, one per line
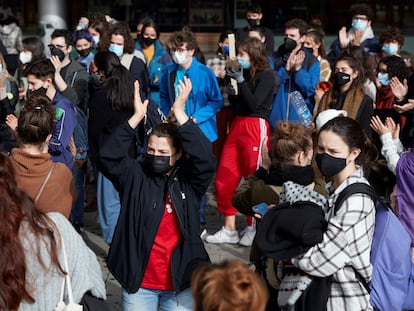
(223, 236)
(203, 234)
(247, 236)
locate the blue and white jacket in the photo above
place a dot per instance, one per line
(204, 101)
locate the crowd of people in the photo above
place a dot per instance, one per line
(156, 124)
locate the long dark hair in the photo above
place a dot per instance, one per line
(16, 207)
(352, 134)
(118, 81)
(258, 56)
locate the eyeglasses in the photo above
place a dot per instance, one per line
(60, 47)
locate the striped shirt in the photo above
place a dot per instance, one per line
(345, 248)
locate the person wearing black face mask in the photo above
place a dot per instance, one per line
(254, 17)
(157, 236)
(83, 42)
(296, 70)
(343, 152)
(157, 58)
(289, 160)
(347, 92)
(40, 74)
(71, 78)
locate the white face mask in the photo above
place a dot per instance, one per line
(96, 39)
(180, 58)
(25, 57)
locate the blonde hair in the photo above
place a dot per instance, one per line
(228, 286)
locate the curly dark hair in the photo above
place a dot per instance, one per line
(395, 67)
(122, 29)
(391, 33)
(180, 37)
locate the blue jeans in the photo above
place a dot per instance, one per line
(109, 206)
(77, 210)
(153, 300)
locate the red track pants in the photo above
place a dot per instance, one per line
(241, 157)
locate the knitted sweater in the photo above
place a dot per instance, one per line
(32, 169)
(46, 283)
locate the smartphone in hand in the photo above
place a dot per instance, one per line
(261, 208)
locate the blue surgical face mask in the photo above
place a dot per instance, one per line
(383, 78)
(118, 50)
(226, 49)
(390, 48)
(1, 68)
(243, 63)
(359, 24)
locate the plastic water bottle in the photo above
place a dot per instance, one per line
(297, 101)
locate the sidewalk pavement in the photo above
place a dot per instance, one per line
(217, 252)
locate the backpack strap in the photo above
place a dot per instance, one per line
(355, 188)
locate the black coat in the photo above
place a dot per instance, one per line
(289, 230)
(143, 201)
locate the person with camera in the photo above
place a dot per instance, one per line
(296, 70)
(241, 155)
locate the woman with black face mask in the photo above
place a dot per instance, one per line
(343, 150)
(348, 93)
(83, 42)
(156, 56)
(156, 244)
(288, 161)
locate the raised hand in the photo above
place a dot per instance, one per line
(398, 89)
(56, 63)
(357, 37)
(140, 108)
(394, 128)
(300, 57)
(406, 107)
(11, 121)
(343, 38)
(184, 90)
(378, 126)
